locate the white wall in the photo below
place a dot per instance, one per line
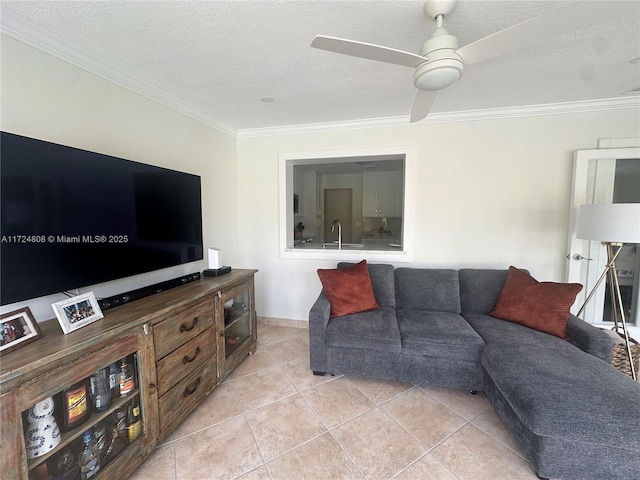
(490, 193)
(46, 98)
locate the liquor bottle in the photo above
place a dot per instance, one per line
(73, 407)
(100, 394)
(100, 438)
(134, 420)
(116, 445)
(120, 419)
(114, 385)
(126, 378)
(89, 460)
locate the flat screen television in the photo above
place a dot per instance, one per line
(71, 218)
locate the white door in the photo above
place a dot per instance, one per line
(338, 205)
(594, 181)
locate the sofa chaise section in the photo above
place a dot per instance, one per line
(561, 400)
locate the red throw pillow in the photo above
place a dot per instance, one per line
(543, 306)
(349, 290)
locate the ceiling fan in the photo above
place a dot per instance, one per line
(441, 63)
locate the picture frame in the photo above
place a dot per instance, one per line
(77, 312)
(17, 328)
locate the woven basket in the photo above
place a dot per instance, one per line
(620, 357)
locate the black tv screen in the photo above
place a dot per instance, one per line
(72, 218)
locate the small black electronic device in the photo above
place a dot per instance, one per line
(216, 272)
(122, 298)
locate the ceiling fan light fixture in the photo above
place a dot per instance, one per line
(438, 75)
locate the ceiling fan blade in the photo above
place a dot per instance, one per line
(526, 34)
(422, 104)
(368, 51)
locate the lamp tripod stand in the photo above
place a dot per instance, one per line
(616, 299)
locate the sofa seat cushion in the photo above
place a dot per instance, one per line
(507, 335)
(556, 389)
(372, 330)
(438, 334)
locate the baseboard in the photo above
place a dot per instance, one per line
(282, 322)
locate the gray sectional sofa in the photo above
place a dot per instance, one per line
(572, 414)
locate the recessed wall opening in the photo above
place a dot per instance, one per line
(342, 205)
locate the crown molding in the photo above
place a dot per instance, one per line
(450, 117)
(31, 35)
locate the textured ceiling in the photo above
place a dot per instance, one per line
(219, 58)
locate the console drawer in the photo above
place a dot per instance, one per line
(180, 400)
(179, 363)
(178, 329)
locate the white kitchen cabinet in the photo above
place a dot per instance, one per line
(380, 196)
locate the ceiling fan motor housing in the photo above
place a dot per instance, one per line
(444, 66)
(434, 8)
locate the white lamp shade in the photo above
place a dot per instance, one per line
(613, 222)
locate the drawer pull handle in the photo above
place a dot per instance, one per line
(186, 359)
(188, 391)
(184, 328)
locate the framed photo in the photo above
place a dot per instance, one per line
(77, 312)
(17, 328)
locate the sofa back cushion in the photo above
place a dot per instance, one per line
(480, 289)
(435, 290)
(382, 281)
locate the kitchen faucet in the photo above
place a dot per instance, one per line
(333, 229)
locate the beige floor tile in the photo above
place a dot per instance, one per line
(223, 452)
(321, 458)
(300, 374)
(337, 401)
(303, 334)
(377, 445)
(272, 408)
(428, 420)
(220, 405)
(427, 468)
(170, 438)
(260, 473)
(379, 391)
(490, 423)
(261, 388)
(160, 465)
(268, 334)
(259, 360)
(460, 401)
(283, 425)
(473, 455)
(288, 350)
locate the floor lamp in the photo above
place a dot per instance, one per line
(614, 225)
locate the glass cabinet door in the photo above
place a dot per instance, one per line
(238, 328)
(88, 418)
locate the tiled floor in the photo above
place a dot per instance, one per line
(272, 419)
